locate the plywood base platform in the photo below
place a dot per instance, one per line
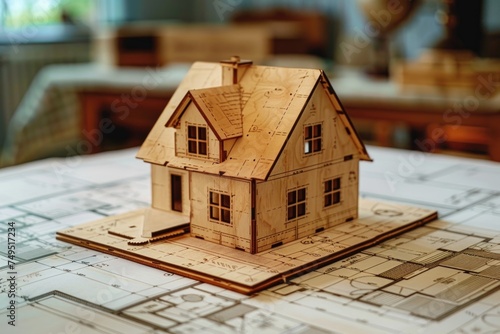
(243, 272)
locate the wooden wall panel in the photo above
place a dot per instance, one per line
(236, 234)
(336, 142)
(294, 168)
(271, 206)
(193, 117)
(161, 188)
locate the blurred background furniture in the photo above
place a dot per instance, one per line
(435, 122)
(384, 17)
(292, 31)
(331, 35)
(63, 111)
(21, 59)
(159, 44)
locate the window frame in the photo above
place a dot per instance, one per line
(193, 138)
(296, 200)
(313, 138)
(332, 192)
(219, 207)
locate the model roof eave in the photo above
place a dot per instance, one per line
(255, 152)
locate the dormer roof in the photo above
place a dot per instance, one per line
(220, 107)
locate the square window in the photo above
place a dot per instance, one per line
(220, 207)
(332, 192)
(296, 203)
(312, 138)
(197, 140)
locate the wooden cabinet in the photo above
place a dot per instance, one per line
(113, 120)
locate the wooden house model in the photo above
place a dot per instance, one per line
(252, 157)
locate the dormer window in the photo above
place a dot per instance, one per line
(197, 140)
(312, 138)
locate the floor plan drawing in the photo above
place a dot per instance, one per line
(439, 278)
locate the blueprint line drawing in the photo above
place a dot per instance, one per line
(439, 278)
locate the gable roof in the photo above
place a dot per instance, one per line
(344, 117)
(219, 106)
(271, 99)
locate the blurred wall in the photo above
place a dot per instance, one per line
(167, 10)
(345, 20)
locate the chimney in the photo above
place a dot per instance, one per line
(233, 69)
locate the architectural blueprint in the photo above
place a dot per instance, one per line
(443, 277)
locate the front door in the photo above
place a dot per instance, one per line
(176, 192)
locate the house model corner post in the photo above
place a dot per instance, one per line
(253, 220)
(233, 69)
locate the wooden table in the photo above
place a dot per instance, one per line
(439, 117)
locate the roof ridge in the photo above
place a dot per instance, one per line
(268, 99)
